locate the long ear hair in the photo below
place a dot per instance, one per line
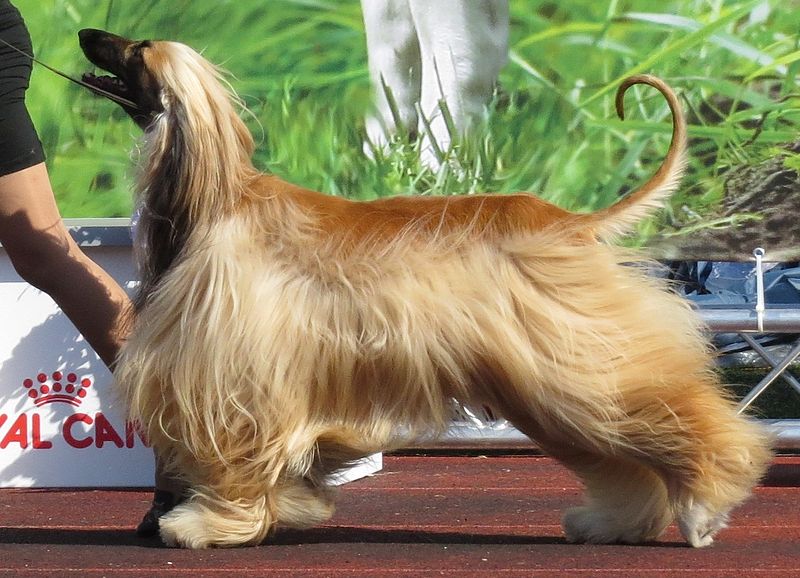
(196, 159)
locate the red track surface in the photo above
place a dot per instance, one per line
(422, 516)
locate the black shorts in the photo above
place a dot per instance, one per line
(20, 147)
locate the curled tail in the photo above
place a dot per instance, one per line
(619, 218)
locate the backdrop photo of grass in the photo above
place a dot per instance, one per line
(301, 67)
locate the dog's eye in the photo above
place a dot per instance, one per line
(137, 48)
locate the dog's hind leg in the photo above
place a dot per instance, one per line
(616, 380)
(716, 459)
(626, 501)
(680, 452)
(683, 427)
(648, 451)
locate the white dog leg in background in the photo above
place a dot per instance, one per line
(425, 51)
(394, 59)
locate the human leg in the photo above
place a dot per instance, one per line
(463, 46)
(31, 230)
(394, 60)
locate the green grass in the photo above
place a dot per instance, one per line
(301, 67)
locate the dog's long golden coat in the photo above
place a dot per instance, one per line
(282, 332)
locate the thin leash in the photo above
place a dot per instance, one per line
(95, 89)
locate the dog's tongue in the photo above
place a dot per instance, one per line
(109, 83)
(110, 87)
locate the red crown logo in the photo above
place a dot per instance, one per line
(54, 391)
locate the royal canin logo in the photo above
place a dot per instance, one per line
(55, 391)
(78, 430)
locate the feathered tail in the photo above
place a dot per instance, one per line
(619, 218)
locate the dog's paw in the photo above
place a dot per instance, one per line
(202, 523)
(168, 535)
(586, 525)
(300, 505)
(589, 525)
(698, 525)
(183, 528)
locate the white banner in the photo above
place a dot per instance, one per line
(60, 424)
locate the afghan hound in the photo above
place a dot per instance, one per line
(280, 333)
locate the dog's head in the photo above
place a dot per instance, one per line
(196, 153)
(134, 78)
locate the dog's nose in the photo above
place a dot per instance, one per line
(88, 34)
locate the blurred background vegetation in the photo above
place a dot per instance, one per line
(301, 67)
